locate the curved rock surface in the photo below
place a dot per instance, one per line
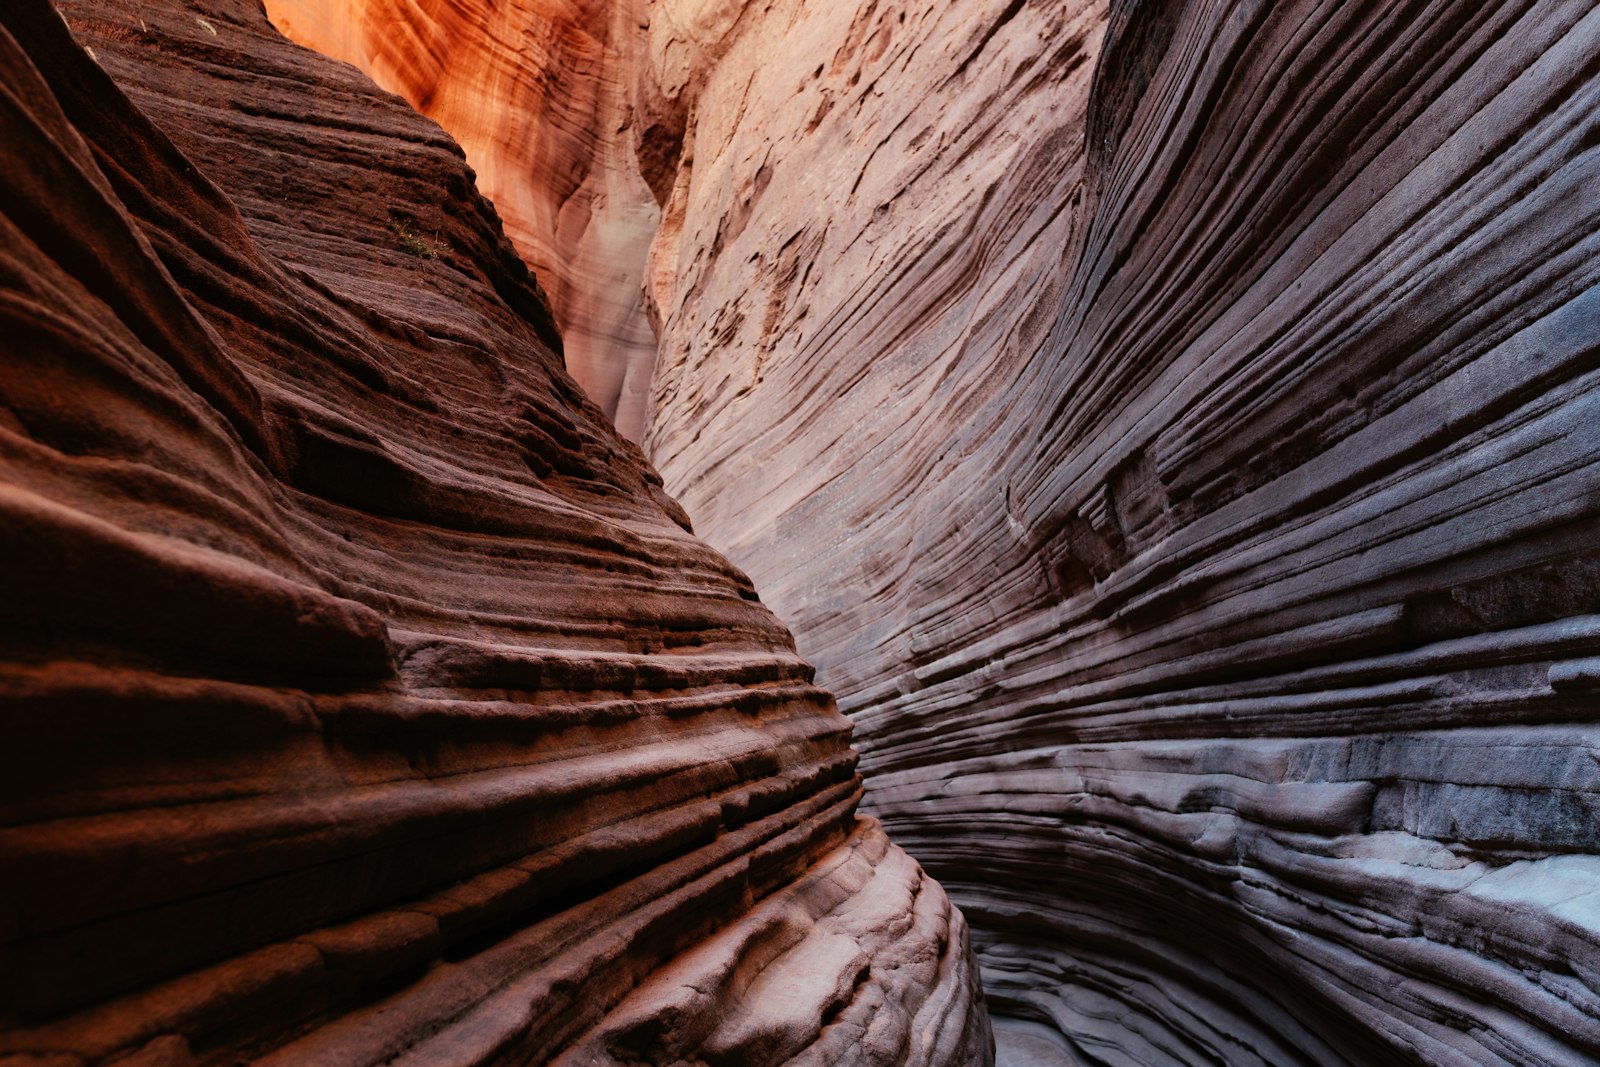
(367, 700)
(538, 94)
(1173, 430)
(1170, 426)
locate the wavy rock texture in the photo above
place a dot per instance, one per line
(1174, 433)
(537, 92)
(366, 699)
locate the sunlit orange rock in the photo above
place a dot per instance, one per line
(538, 93)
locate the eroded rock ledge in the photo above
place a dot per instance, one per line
(367, 699)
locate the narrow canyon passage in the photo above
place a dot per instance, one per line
(1169, 429)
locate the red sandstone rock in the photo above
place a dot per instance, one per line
(1170, 430)
(538, 93)
(367, 700)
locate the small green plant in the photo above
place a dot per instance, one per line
(414, 243)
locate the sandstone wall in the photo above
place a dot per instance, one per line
(1170, 427)
(1172, 432)
(366, 700)
(538, 94)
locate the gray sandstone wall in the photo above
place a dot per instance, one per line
(1173, 433)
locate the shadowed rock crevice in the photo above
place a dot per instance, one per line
(1169, 428)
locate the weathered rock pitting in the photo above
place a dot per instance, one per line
(368, 700)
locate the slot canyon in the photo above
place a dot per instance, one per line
(723, 533)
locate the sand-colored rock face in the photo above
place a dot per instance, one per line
(538, 93)
(1174, 437)
(366, 699)
(1171, 427)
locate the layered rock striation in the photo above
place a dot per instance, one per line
(1170, 426)
(538, 93)
(367, 700)
(1172, 432)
